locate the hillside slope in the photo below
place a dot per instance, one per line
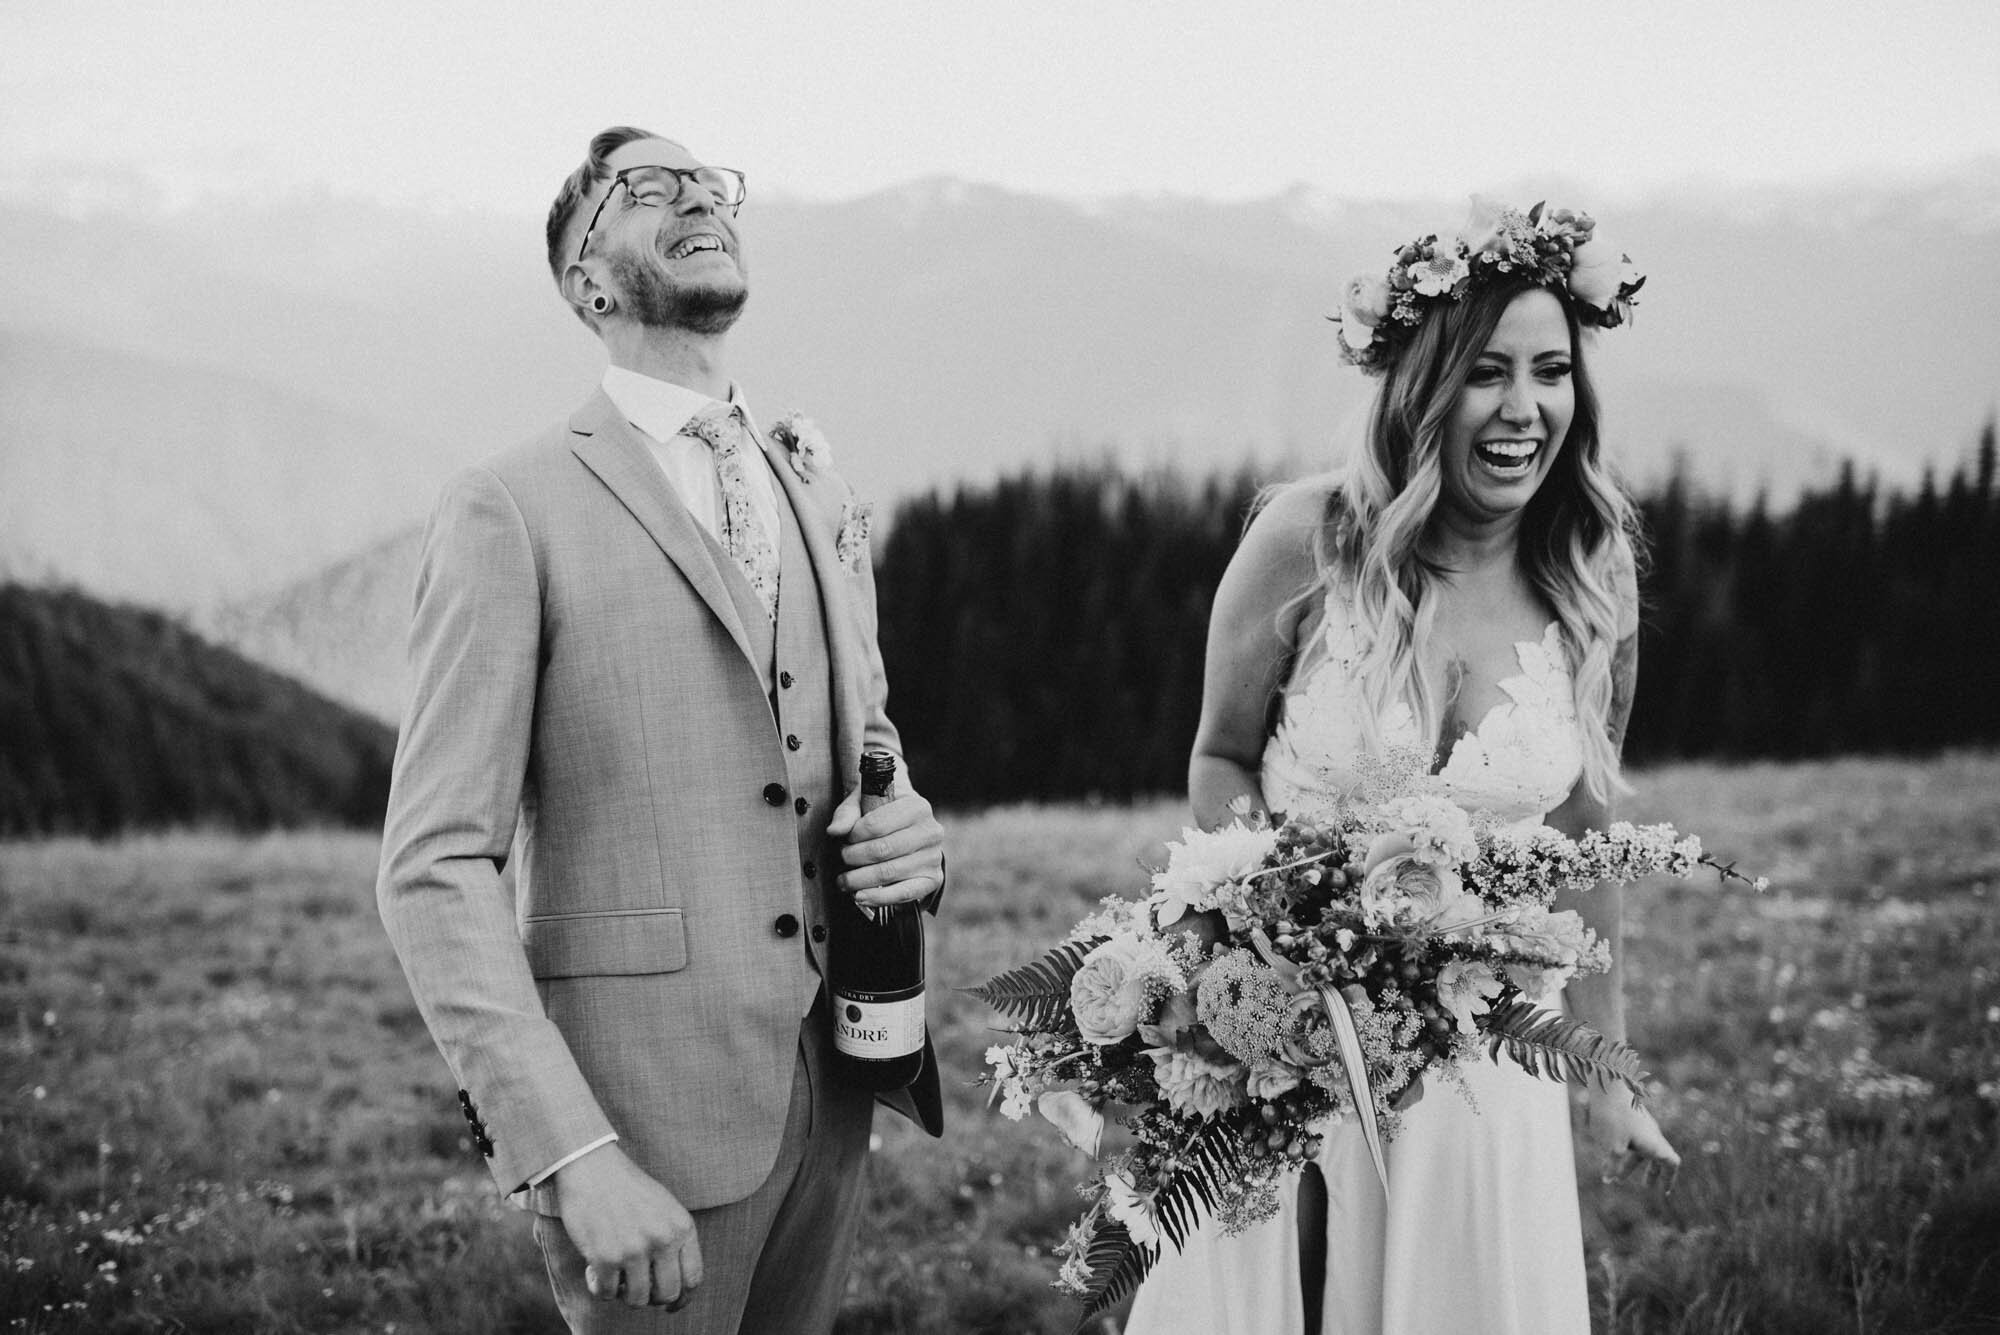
(115, 718)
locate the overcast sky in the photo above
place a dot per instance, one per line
(490, 103)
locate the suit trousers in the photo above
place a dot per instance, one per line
(776, 1262)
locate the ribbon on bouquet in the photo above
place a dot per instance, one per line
(1347, 1039)
(1356, 1066)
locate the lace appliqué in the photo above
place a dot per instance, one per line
(1517, 765)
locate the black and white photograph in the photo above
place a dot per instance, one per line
(886, 668)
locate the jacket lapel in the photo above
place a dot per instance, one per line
(843, 650)
(612, 448)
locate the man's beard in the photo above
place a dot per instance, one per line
(657, 301)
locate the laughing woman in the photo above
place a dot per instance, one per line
(1466, 587)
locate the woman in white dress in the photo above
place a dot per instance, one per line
(1467, 585)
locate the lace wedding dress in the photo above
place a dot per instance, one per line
(1480, 1233)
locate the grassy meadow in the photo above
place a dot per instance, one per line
(219, 1111)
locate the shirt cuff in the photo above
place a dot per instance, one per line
(569, 1159)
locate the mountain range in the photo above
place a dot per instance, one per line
(240, 411)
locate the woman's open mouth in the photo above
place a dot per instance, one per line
(1509, 458)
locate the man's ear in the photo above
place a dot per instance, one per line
(578, 285)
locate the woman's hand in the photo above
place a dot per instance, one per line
(1628, 1137)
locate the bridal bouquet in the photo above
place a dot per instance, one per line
(1284, 975)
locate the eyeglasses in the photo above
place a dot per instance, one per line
(662, 187)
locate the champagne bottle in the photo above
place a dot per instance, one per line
(875, 969)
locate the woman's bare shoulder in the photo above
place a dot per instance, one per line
(1275, 562)
(1286, 524)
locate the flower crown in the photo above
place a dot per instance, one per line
(1553, 248)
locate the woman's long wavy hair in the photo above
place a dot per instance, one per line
(1576, 539)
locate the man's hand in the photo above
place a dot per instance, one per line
(637, 1241)
(894, 854)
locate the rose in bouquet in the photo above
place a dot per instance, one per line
(1283, 976)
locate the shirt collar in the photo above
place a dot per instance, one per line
(661, 408)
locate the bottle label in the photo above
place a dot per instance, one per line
(879, 1026)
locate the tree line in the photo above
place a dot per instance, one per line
(1044, 635)
(115, 717)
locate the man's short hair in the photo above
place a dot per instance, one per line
(570, 198)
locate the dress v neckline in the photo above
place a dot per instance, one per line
(1447, 751)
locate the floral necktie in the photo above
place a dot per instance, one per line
(721, 427)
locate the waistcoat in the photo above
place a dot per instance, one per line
(792, 659)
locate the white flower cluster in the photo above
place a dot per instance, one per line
(1203, 863)
(1521, 865)
(1534, 865)
(1440, 831)
(1115, 916)
(1243, 1004)
(1022, 1072)
(1074, 1276)
(1626, 852)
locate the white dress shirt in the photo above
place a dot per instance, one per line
(660, 409)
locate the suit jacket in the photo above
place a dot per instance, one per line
(585, 701)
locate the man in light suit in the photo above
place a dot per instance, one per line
(645, 670)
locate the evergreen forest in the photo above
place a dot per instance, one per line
(1044, 635)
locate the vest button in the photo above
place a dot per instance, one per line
(786, 925)
(792, 742)
(785, 680)
(801, 806)
(811, 869)
(775, 794)
(819, 931)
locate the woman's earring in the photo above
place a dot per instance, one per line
(600, 303)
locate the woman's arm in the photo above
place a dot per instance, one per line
(1598, 999)
(1626, 1132)
(1249, 646)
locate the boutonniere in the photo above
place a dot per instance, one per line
(851, 545)
(804, 444)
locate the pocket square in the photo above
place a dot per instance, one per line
(852, 543)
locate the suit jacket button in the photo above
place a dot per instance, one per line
(775, 794)
(819, 931)
(792, 742)
(802, 806)
(786, 925)
(785, 680)
(811, 869)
